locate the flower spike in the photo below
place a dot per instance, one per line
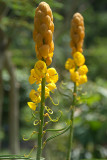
(43, 76)
(76, 66)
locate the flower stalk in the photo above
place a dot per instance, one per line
(71, 126)
(39, 149)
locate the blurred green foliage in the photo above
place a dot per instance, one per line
(90, 131)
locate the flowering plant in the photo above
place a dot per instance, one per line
(43, 76)
(76, 66)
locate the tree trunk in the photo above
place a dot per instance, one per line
(1, 90)
(13, 108)
(1, 102)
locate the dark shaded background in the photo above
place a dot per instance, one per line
(17, 57)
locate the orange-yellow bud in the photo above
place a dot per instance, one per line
(51, 47)
(51, 26)
(48, 37)
(48, 61)
(44, 50)
(77, 33)
(43, 31)
(46, 20)
(39, 40)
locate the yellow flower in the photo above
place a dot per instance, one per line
(69, 64)
(51, 75)
(82, 79)
(78, 58)
(83, 70)
(32, 105)
(40, 68)
(46, 91)
(74, 75)
(35, 96)
(34, 77)
(51, 86)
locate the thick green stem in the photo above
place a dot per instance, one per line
(71, 127)
(39, 149)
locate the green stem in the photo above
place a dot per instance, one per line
(39, 149)
(14, 157)
(71, 127)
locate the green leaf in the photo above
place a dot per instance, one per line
(52, 3)
(91, 99)
(93, 159)
(58, 134)
(58, 16)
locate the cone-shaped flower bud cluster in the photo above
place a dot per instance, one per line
(43, 32)
(77, 33)
(76, 66)
(42, 35)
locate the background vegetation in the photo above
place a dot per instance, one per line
(17, 56)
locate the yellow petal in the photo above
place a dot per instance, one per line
(83, 70)
(69, 64)
(79, 59)
(51, 75)
(40, 68)
(82, 79)
(51, 86)
(35, 96)
(32, 105)
(74, 75)
(32, 79)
